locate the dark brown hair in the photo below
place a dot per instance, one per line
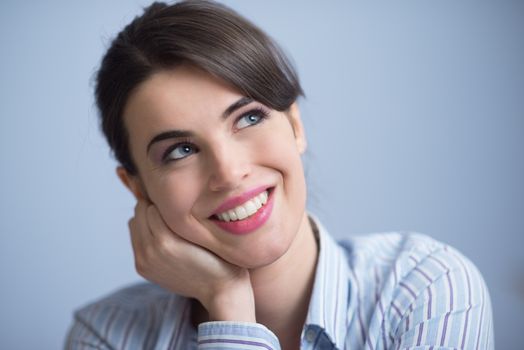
(202, 33)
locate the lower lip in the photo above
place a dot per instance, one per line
(249, 224)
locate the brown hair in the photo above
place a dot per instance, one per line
(202, 33)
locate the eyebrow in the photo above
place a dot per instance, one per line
(239, 104)
(184, 133)
(172, 134)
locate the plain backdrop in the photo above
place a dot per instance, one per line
(415, 119)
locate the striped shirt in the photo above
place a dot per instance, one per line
(380, 291)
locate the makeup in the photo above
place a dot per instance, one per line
(245, 213)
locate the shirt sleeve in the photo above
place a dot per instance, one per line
(236, 335)
(82, 337)
(445, 304)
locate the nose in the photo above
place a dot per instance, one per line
(229, 166)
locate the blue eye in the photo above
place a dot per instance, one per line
(180, 151)
(250, 118)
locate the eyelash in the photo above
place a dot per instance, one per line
(260, 112)
(170, 149)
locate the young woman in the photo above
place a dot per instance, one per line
(199, 107)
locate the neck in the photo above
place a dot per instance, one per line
(283, 289)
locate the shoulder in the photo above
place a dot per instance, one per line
(410, 263)
(405, 253)
(425, 291)
(385, 247)
(132, 316)
(132, 299)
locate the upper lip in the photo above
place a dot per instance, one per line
(235, 201)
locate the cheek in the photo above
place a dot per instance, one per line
(283, 153)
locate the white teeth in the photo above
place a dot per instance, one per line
(241, 212)
(263, 198)
(247, 209)
(250, 208)
(232, 215)
(224, 217)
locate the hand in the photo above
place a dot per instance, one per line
(182, 267)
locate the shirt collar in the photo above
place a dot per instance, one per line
(330, 298)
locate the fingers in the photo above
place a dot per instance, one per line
(165, 239)
(141, 216)
(139, 230)
(179, 265)
(155, 223)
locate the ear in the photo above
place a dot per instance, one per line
(132, 182)
(298, 129)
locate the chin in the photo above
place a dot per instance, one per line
(265, 252)
(266, 259)
(260, 260)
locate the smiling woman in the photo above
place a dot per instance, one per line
(204, 151)
(199, 107)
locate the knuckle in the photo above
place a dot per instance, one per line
(165, 246)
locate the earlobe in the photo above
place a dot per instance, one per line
(298, 128)
(132, 182)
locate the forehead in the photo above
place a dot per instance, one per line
(175, 98)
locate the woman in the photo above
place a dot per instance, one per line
(199, 107)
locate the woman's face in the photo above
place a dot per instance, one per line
(202, 150)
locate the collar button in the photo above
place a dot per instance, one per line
(310, 335)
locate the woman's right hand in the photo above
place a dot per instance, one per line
(182, 267)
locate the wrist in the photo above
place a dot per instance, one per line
(235, 303)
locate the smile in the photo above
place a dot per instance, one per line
(245, 210)
(245, 214)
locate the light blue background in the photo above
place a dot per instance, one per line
(415, 116)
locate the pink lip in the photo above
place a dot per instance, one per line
(250, 224)
(238, 200)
